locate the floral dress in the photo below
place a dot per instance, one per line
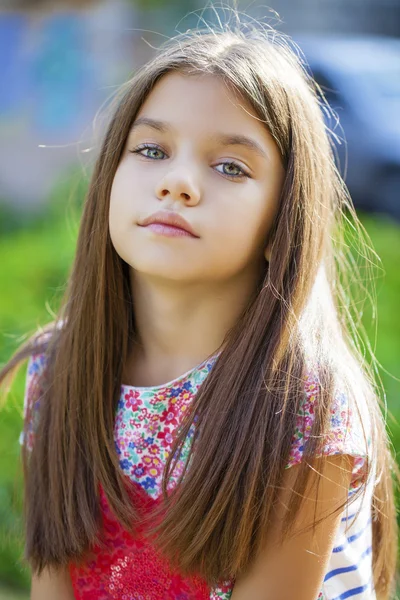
(145, 422)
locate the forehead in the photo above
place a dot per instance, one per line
(202, 104)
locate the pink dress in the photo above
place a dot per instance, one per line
(146, 419)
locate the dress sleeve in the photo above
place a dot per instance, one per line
(348, 433)
(32, 395)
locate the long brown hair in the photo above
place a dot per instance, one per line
(245, 410)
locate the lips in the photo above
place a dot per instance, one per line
(169, 218)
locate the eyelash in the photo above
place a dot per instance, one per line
(152, 147)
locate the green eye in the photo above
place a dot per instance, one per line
(147, 147)
(239, 171)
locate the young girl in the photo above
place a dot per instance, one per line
(199, 421)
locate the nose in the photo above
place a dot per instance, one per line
(178, 186)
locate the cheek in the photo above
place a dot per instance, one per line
(120, 211)
(243, 224)
(129, 190)
(232, 245)
(122, 197)
(120, 190)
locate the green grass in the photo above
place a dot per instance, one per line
(13, 594)
(34, 267)
(385, 235)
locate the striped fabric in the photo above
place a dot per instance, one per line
(349, 573)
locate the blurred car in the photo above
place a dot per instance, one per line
(360, 78)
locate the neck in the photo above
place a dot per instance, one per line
(179, 325)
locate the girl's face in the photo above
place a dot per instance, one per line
(211, 161)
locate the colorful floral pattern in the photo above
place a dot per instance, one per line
(146, 422)
(145, 426)
(344, 435)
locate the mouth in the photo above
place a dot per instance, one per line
(168, 223)
(167, 230)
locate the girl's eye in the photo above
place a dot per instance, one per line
(235, 167)
(238, 173)
(139, 149)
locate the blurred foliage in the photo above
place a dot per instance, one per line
(37, 254)
(385, 333)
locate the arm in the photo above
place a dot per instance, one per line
(51, 585)
(297, 568)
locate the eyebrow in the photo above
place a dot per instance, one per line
(224, 139)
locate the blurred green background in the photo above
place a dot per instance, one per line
(36, 253)
(36, 256)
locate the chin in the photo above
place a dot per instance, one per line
(161, 271)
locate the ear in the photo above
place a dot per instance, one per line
(267, 252)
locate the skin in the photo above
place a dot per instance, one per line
(52, 584)
(188, 292)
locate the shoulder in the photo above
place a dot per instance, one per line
(292, 564)
(39, 344)
(37, 359)
(34, 385)
(348, 431)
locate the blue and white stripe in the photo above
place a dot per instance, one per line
(349, 572)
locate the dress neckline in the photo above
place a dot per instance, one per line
(173, 382)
